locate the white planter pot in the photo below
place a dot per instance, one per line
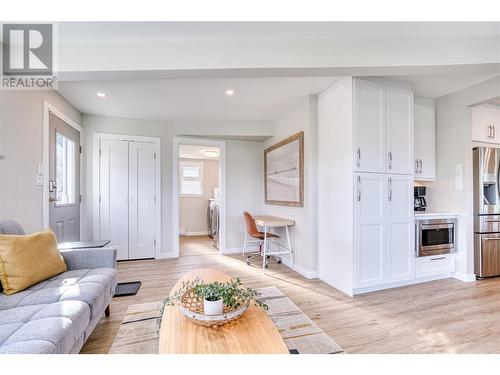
(213, 307)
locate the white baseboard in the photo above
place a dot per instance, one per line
(466, 277)
(239, 250)
(196, 233)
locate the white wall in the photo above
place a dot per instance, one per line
(21, 123)
(243, 174)
(193, 210)
(454, 146)
(304, 234)
(164, 130)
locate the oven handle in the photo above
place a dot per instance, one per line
(438, 226)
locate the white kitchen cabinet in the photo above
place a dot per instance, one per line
(383, 128)
(486, 124)
(425, 140)
(443, 264)
(370, 229)
(369, 126)
(400, 229)
(383, 229)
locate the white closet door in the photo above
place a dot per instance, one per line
(399, 131)
(369, 127)
(370, 229)
(142, 200)
(113, 194)
(400, 228)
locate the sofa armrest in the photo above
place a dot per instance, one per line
(78, 259)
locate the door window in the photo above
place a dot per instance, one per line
(65, 170)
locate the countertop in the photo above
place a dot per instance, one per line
(434, 214)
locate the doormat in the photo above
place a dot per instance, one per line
(138, 333)
(127, 289)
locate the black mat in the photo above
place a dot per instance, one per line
(127, 289)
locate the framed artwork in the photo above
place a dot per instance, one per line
(284, 172)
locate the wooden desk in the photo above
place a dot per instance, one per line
(253, 333)
(266, 222)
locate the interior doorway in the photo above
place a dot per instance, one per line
(199, 197)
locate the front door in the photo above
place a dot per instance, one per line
(64, 180)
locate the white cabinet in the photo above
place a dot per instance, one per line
(435, 265)
(425, 140)
(383, 229)
(383, 128)
(370, 229)
(486, 124)
(369, 126)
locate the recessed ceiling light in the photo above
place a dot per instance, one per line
(101, 95)
(210, 154)
(229, 92)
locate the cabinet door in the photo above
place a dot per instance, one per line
(486, 124)
(425, 162)
(399, 130)
(400, 229)
(113, 195)
(369, 229)
(142, 205)
(369, 126)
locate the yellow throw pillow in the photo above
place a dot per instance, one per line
(27, 260)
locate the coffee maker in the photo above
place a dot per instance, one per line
(419, 203)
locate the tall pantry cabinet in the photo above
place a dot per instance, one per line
(365, 189)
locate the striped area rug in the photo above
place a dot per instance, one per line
(138, 333)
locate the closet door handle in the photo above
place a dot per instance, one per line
(359, 188)
(389, 160)
(358, 157)
(390, 189)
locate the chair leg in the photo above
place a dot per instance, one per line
(264, 260)
(107, 312)
(289, 245)
(244, 243)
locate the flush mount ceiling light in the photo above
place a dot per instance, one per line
(210, 154)
(229, 92)
(101, 95)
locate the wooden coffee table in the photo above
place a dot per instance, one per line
(252, 333)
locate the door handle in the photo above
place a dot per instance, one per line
(440, 258)
(493, 131)
(420, 163)
(358, 157)
(390, 190)
(416, 166)
(492, 238)
(359, 188)
(389, 160)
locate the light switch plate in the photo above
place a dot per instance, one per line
(39, 179)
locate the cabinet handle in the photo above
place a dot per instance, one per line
(390, 189)
(440, 258)
(490, 128)
(420, 163)
(416, 166)
(359, 188)
(493, 131)
(389, 160)
(358, 157)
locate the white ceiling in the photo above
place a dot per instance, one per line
(197, 152)
(435, 86)
(181, 99)
(137, 32)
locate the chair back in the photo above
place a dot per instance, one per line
(250, 224)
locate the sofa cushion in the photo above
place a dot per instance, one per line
(53, 316)
(29, 259)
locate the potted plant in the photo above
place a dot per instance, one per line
(216, 295)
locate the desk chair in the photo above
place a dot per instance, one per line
(252, 232)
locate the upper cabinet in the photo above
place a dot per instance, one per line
(383, 128)
(486, 124)
(425, 140)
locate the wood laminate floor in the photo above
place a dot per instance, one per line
(446, 316)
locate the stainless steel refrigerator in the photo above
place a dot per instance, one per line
(486, 211)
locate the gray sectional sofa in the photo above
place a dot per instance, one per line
(59, 314)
